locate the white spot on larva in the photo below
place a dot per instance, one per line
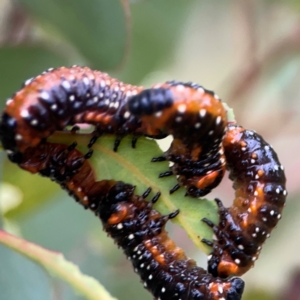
(178, 119)
(18, 137)
(222, 298)
(141, 257)
(276, 168)
(272, 212)
(158, 114)
(267, 148)
(139, 252)
(106, 101)
(264, 219)
(278, 216)
(66, 84)
(136, 270)
(217, 97)
(96, 99)
(53, 107)
(93, 205)
(28, 81)
(72, 98)
(116, 89)
(45, 95)
(220, 289)
(126, 115)
(87, 95)
(249, 210)
(255, 193)
(209, 257)
(263, 233)
(254, 258)
(116, 105)
(222, 160)
(142, 266)
(120, 226)
(218, 120)
(180, 87)
(145, 284)
(131, 236)
(134, 256)
(252, 161)
(129, 258)
(282, 167)
(163, 289)
(256, 176)
(268, 235)
(101, 95)
(254, 235)
(257, 229)
(197, 125)
(136, 249)
(201, 90)
(148, 268)
(181, 108)
(128, 94)
(259, 248)
(34, 122)
(237, 261)
(278, 191)
(8, 101)
(102, 83)
(284, 192)
(24, 113)
(86, 81)
(79, 189)
(150, 277)
(202, 112)
(241, 247)
(250, 132)
(211, 132)
(243, 148)
(86, 198)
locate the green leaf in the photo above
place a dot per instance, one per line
(56, 264)
(134, 166)
(97, 29)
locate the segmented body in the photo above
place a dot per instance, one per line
(197, 120)
(62, 97)
(260, 194)
(199, 153)
(65, 96)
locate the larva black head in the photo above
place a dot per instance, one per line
(235, 292)
(111, 196)
(7, 132)
(150, 101)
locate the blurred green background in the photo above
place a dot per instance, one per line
(247, 51)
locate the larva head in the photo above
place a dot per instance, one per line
(7, 132)
(116, 196)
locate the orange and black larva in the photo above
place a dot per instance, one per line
(197, 120)
(134, 225)
(64, 96)
(259, 183)
(200, 152)
(59, 98)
